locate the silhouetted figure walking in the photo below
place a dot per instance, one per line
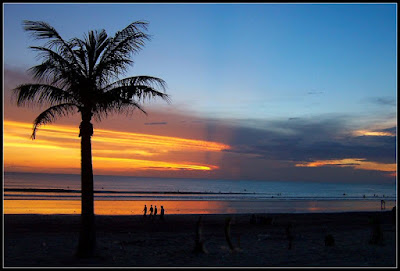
(151, 210)
(383, 204)
(155, 210)
(145, 210)
(162, 213)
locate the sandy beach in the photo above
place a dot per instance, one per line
(261, 241)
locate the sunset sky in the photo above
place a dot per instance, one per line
(280, 92)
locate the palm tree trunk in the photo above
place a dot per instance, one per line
(87, 237)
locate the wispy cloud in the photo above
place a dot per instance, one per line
(155, 123)
(386, 101)
(315, 92)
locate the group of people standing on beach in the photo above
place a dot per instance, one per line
(151, 214)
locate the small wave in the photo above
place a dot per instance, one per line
(174, 196)
(53, 190)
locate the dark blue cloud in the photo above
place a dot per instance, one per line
(310, 140)
(386, 101)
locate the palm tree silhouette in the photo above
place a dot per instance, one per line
(82, 76)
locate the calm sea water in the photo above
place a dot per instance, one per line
(67, 186)
(35, 193)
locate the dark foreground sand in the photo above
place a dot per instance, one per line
(131, 241)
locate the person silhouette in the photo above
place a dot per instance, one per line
(145, 210)
(151, 210)
(383, 203)
(162, 213)
(155, 210)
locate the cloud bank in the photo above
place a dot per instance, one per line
(314, 148)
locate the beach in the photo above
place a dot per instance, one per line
(258, 240)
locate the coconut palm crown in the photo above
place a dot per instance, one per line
(82, 76)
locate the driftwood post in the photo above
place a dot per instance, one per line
(228, 233)
(329, 240)
(289, 235)
(376, 233)
(199, 242)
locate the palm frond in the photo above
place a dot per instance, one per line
(129, 40)
(94, 44)
(139, 87)
(41, 30)
(117, 54)
(51, 114)
(133, 28)
(39, 93)
(55, 68)
(81, 55)
(117, 107)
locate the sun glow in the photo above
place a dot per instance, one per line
(58, 147)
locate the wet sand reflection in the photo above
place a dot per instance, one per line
(104, 207)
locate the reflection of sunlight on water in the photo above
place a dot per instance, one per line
(313, 208)
(105, 207)
(42, 207)
(114, 207)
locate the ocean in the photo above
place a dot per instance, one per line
(122, 195)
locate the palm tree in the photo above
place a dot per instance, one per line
(82, 76)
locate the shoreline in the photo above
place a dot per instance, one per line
(260, 239)
(135, 207)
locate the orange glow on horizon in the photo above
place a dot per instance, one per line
(111, 207)
(58, 147)
(392, 174)
(357, 163)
